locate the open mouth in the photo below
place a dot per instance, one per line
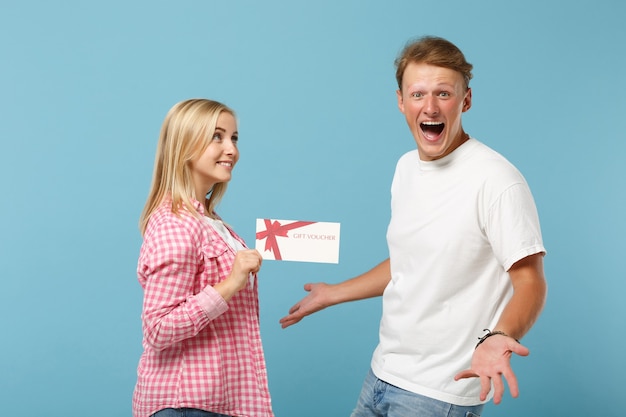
(432, 130)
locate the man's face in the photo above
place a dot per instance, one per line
(432, 100)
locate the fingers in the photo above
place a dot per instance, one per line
(288, 321)
(292, 317)
(256, 259)
(511, 381)
(314, 301)
(465, 374)
(249, 260)
(486, 382)
(296, 313)
(519, 349)
(498, 389)
(485, 387)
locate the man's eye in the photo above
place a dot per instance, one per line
(444, 94)
(416, 95)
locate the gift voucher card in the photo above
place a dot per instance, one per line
(291, 240)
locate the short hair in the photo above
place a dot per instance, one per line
(186, 132)
(435, 51)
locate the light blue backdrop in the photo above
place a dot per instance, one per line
(84, 87)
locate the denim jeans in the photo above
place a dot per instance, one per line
(380, 399)
(185, 412)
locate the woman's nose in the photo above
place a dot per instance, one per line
(230, 147)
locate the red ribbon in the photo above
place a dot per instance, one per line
(273, 229)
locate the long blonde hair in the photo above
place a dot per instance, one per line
(186, 132)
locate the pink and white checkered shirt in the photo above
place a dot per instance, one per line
(199, 351)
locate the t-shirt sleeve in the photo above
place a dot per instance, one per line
(513, 227)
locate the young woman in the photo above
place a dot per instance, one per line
(202, 346)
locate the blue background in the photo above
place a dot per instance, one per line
(84, 88)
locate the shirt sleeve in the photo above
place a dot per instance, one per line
(513, 226)
(169, 262)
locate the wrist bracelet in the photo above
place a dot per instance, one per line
(490, 333)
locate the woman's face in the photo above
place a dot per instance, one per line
(216, 163)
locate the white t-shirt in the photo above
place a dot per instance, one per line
(457, 225)
(221, 229)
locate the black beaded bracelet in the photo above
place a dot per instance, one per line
(489, 334)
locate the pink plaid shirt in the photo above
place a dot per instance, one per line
(199, 351)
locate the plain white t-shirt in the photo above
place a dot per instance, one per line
(457, 225)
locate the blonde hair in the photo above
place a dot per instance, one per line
(186, 132)
(435, 51)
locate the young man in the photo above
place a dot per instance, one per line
(465, 257)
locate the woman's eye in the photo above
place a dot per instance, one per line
(217, 137)
(235, 139)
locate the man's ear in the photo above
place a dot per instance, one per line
(400, 101)
(467, 101)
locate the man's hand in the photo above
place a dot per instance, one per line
(491, 362)
(321, 295)
(314, 301)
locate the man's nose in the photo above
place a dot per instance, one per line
(431, 106)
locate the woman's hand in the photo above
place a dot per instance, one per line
(247, 261)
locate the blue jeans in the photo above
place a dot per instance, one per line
(185, 412)
(380, 399)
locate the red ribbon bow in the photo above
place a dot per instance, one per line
(273, 229)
